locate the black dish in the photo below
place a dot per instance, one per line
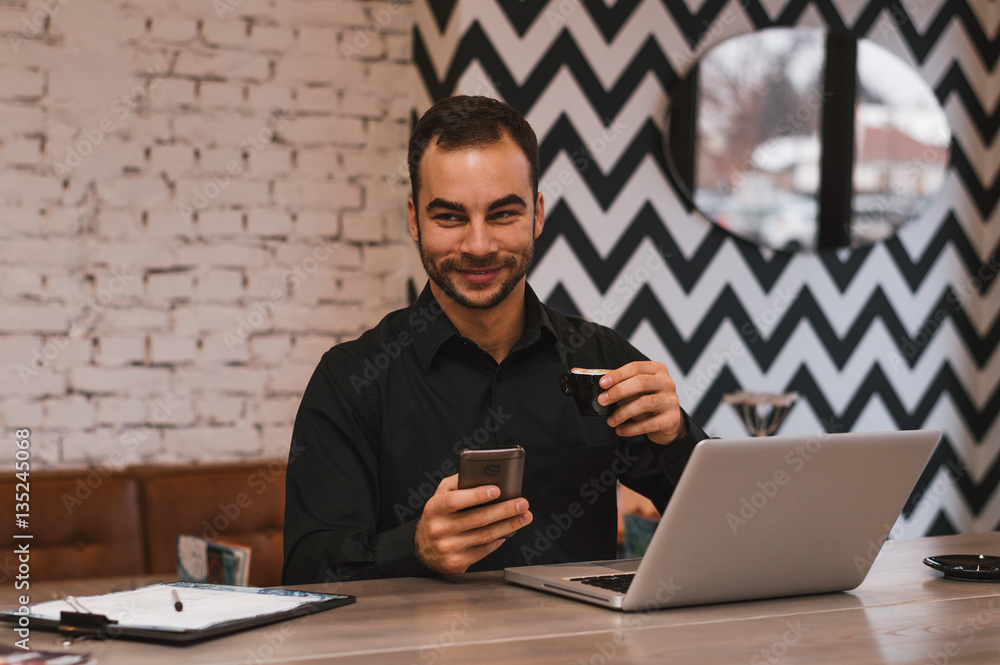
(977, 567)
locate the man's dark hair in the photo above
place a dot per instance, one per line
(467, 122)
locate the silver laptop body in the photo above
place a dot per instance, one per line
(761, 517)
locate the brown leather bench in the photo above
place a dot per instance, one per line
(242, 505)
(99, 523)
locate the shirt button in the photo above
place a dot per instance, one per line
(499, 376)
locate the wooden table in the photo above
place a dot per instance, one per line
(904, 612)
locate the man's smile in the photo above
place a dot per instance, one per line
(479, 276)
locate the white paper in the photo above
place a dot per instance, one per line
(153, 606)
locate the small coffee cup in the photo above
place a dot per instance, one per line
(584, 386)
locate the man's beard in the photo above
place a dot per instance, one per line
(517, 265)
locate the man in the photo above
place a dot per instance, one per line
(474, 362)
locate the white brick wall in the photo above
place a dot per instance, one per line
(193, 209)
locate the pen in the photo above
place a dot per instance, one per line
(178, 605)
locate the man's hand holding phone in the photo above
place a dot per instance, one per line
(459, 527)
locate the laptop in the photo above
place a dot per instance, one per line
(756, 518)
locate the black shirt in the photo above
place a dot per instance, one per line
(385, 416)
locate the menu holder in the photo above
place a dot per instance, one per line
(212, 562)
(151, 613)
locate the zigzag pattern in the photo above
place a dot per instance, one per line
(696, 26)
(954, 82)
(945, 385)
(901, 334)
(647, 224)
(805, 309)
(564, 52)
(984, 195)
(648, 59)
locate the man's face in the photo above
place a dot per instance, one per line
(477, 221)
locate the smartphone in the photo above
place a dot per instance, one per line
(502, 467)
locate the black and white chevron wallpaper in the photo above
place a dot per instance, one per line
(899, 335)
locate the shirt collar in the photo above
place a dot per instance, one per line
(431, 327)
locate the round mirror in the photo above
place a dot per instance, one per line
(797, 139)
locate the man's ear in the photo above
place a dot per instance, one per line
(411, 219)
(539, 215)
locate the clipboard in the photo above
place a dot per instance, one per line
(149, 613)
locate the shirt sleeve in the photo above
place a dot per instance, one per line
(674, 456)
(332, 493)
(655, 469)
(651, 469)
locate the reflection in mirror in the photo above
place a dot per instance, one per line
(901, 144)
(758, 143)
(761, 134)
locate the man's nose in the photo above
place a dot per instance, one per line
(478, 240)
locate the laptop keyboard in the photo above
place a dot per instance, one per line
(619, 583)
